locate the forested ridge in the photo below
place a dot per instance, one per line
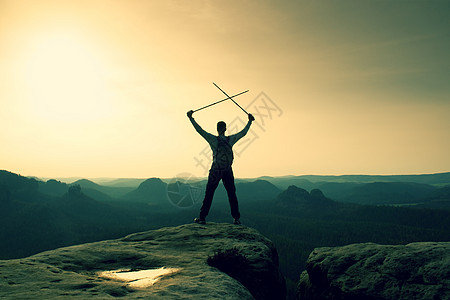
(38, 216)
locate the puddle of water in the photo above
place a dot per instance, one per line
(138, 279)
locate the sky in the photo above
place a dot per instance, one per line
(101, 88)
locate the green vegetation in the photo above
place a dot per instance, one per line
(37, 216)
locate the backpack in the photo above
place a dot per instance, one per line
(223, 157)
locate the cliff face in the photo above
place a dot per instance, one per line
(417, 271)
(76, 271)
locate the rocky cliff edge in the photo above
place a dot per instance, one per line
(416, 271)
(78, 271)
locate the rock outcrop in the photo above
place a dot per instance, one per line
(297, 197)
(75, 272)
(417, 271)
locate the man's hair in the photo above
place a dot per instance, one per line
(221, 126)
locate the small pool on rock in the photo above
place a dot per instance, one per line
(138, 279)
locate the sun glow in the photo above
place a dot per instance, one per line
(101, 88)
(65, 79)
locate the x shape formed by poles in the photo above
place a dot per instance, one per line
(228, 97)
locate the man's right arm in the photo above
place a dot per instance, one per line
(206, 135)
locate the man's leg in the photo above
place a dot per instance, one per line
(228, 182)
(213, 181)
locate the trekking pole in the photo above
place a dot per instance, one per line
(221, 100)
(231, 98)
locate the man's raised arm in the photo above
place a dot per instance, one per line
(236, 137)
(206, 135)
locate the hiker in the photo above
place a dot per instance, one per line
(221, 146)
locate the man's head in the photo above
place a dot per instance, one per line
(221, 127)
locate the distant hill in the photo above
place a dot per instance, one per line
(111, 191)
(53, 187)
(439, 199)
(314, 181)
(335, 190)
(257, 190)
(152, 191)
(371, 189)
(386, 193)
(56, 188)
(120, 182)
(31, 221)
(87, 184)
(442, 193)
(284, 182)
(76, 204)
(295, 197)
(433, 179)
(19, 187)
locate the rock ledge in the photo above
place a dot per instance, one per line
(416, 271)
(73, 271)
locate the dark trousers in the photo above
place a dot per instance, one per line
(215, 175)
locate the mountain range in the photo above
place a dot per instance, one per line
(38, 215)
(428, 190)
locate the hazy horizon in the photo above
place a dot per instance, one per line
(109, 180)
(97, 89)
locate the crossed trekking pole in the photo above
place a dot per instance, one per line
(228, 98)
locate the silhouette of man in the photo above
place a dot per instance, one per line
(221, 147)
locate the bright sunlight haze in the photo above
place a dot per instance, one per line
(101, 88)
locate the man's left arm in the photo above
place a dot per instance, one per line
(236, 137)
